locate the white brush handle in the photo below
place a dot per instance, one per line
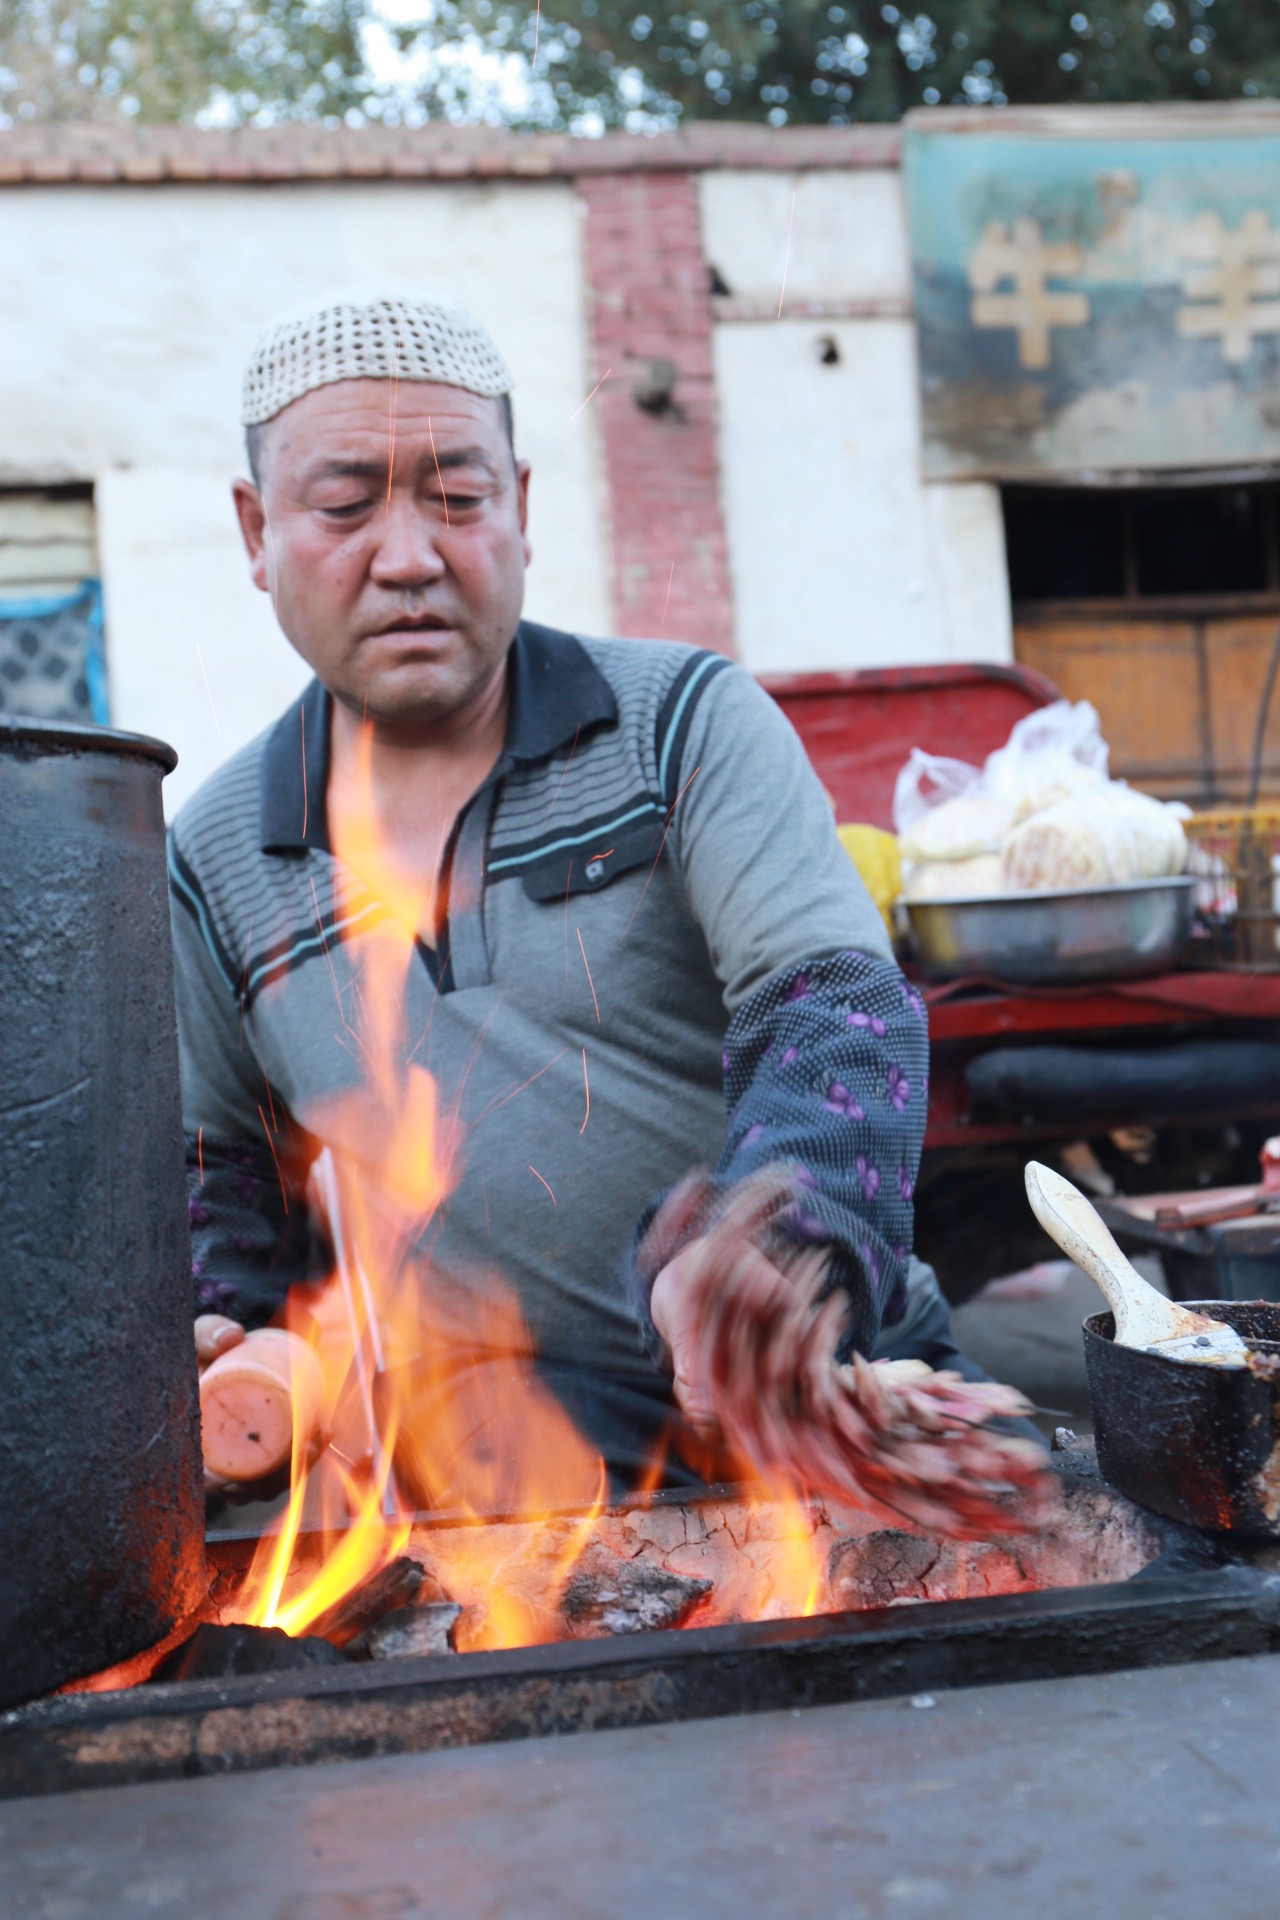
(1142, 1315)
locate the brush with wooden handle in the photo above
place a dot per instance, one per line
(1144, 1318)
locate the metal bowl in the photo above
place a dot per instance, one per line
(1100, 933)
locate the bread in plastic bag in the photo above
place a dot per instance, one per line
(947, 810)
(1053, 752)
(1101, 837)
(977, 878)
(958, 830)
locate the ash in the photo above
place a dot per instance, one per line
(607, 1595)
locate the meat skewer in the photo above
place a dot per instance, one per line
(892, 1435)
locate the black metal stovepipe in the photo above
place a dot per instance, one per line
(101, 1512)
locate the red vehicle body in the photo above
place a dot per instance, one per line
(859, 729)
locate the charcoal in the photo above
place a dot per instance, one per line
(215, 1653)
(873, 1569)
(605, 1594)
(401, 1583)
(409, 1630)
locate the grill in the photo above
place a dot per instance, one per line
(1112, 1588)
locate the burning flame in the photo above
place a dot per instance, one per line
(428, 1397)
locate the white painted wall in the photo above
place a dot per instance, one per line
(847, 234)
(125, 317)
(840, 555)
(126, 314)
(193, 651)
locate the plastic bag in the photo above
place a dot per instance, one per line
(980, 877)
(1104, 838)
(1042, 805)
(1053, 752)
(928, 781)
(1056, 751)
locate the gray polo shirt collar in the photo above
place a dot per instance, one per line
(557, 694)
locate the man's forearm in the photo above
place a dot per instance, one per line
(826, 1070)
(826, 1075)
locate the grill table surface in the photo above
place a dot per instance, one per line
(1138, 1796)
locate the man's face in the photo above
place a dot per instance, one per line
(389, 529)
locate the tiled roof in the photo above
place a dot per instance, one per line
(104, 154)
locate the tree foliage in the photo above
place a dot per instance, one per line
(588, 64)
(233, 60)
(617, 62)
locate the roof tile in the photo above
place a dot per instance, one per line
(102, 153)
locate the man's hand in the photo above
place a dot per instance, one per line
(754, 1354)
(215, 1334)
(673, 1306)
(711, 1265)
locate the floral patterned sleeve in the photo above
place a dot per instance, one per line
(826, 1071)
(250, 1235)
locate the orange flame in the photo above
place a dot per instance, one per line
(428, 1395)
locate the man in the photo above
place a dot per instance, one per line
(640, 948)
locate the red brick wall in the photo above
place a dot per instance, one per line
(649, 300)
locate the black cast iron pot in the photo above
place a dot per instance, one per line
(101, 1512)
(1197, 1444)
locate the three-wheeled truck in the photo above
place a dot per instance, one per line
(1170, 1081)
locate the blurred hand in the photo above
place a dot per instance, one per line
(700, 1282)
(753, 1348)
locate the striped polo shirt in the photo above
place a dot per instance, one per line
(650, 857)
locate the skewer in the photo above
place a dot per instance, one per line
(325, 1175)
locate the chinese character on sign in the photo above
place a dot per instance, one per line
(1234, 281)
(1031, 308)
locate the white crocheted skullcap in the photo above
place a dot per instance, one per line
(369, 336)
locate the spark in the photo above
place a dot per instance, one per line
(568, 880)
(395, 397)
(208, 689)
(303, 711)
(271, 1148)
(537, 1176)
(594, 391)
(324, 948)
(590, 982)
(200, 1135)
(667, 602)
(439, 476)
(661, 844)
(786, 258)
(473, 1053)
(502, 1099)
(271, 1105)
(586, 1087)
(565, 774)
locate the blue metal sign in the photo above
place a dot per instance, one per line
(1096, 290)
